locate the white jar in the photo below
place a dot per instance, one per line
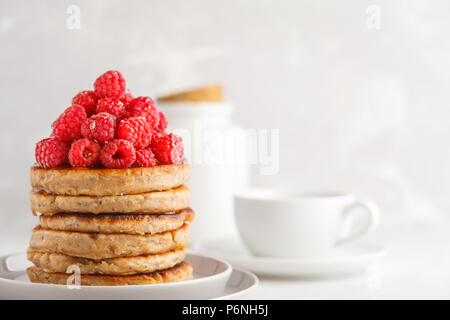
(216, 150)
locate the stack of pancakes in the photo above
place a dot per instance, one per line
(115, 226)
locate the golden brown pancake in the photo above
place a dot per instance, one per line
(100, 246)
(180, 272)
(58, 263)
(104, 182)
(150, 202)
(117, 223)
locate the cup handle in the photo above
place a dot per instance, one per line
(373, 217)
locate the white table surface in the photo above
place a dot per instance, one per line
(417, 266)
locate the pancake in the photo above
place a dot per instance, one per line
(104, 182)
(180, 272)
(98, 246)
(58, 263)
(151, 202)
(117, 223)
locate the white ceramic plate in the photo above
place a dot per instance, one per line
(346, 259)
(210, 281)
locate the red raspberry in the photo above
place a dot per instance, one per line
(68, 125)
(51, 153)
(145, 158)
(84, 153)
(162, 125)
(100, 127)
(126, 97)
(118, 154)
(168, 149)
(136, 130)
(110, 84)
(143, 106)
(112, 106)
(86, 99)
(147, 100)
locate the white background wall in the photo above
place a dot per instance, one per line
(358, 109)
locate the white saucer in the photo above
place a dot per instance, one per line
(346, 259)
(240, 284)
(213, 279)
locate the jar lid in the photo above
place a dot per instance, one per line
(196, 109)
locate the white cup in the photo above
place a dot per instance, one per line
(274, 223)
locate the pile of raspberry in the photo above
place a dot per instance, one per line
(108, 127)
